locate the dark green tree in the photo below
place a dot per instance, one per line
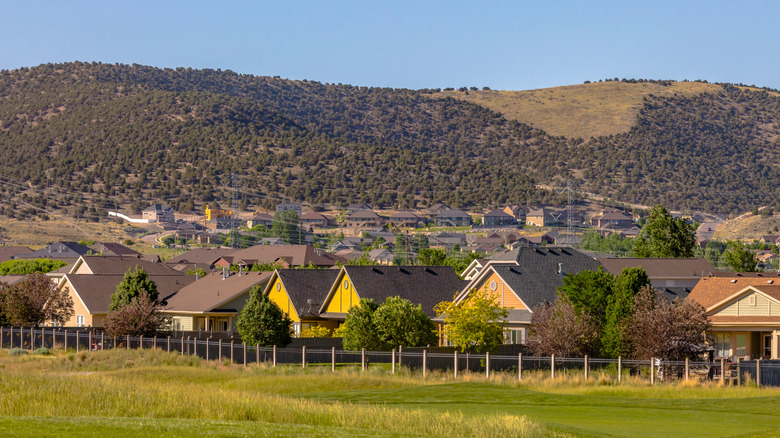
(285, 225)
(620, 308)
(432, 257)
(664, 236)
(739, 258)
(130, 288)
(262, 322)
(359, 330)
(589, 292)
(22, 266)
(399, 323)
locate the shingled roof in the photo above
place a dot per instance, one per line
(303, 285)
(8, 252)
(95, 290)
(58, 250)
(212, 291)
(661, 267)
(293, 255)
(710, 291)
(424, 285)
(120, 265)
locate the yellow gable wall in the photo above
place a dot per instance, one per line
(344, 297)
(503, 294)
(279, 296)
(742, 307)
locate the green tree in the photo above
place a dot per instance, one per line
(262, 322)
(664, 236)
(475, 324)
(400, 323)
(432, 257)
(132, 285)
(589, 292)
(22, 266)
(285, 225)
(739, 258)
(620, 308)
(359, 330)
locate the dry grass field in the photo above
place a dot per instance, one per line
(584, 110)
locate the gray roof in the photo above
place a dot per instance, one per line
(58, 250)
(661, 267)
(8, 252)
(452, 213)
(303, 285)
(424, 285)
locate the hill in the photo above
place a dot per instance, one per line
(80, 138)
(580, 111)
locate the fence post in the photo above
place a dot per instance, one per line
(687, 369)
(244, 353)
(169, 344)
(102, 340)
(154, 342)
(393, 358)
(487, 364)
(90, 341)
(652, 371)
(519, 366)
(1, 338)
(552, 366)
(620, 369)
(455, 369)
(219, 347)
(722, 371)
(208, 347)
(363, 359)
(141, 342)
(739, 373)
(257, 353)
(758, 372)
(77, 339)
(400, 355)
(231, 352)
(333, 359)
(303, 357)
(425, 363)
(274, 358)
(66, 338)
(128, 342)
(586, 367)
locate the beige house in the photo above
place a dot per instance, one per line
(745, 313)
(213, 302)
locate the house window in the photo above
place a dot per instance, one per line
(741, 345)
(723, 345)
(297, 328)
(346, 284)
(514, 336)
(493, 285)
(177, 324)
(80, 321)
(752, 300)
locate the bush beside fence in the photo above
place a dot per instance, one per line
(510, 360)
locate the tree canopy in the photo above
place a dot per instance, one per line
(33, 301)
(399, 323)
(359, 329)
(262, 322)
(739, 258)
(475, 324)
(664, 236)
(26, 266)
(135, 282)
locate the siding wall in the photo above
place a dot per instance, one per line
(503, 294)
(742, 307)
(279, 296)
(344, 297)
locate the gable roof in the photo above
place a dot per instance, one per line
(58, 250)
(452, 214)
(424, 285)
(200, 256)
(303, 285)
(710, 291)
(661, 267)
(363, 214)
(120, 265)
(109, 248)
(293, 255)
(95, 290)
(498, 213)
(212, 291)
(8, 252)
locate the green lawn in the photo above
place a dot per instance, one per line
(139, 394)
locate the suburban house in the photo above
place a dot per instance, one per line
(540, 217)
(159, 213)
(349, 254)
(263, 219)
(198, 258)
(771, 240)
(91, 294)
(381, 256)
(498, 218)
(617, 220)
(223, 223)
(474, 268)
(364, 219)
(294, 206)
(446, 240)
(9, 252)
(97, 265)
(453, 218)
(744, 309)
(424, 285)
(300, 293)
(286, 255)
(59, 251)
(408, 219)
(213, 302)
(437, 208)
(316, 220)
(113, 249)
(517, 211)
(523, 278)
(352, 208)
(676, 277)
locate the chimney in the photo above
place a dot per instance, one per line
(197, 276)
(224, 272)
(240, 270)
(560, 268)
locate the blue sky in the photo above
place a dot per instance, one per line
(513, 45)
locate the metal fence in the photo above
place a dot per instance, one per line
(511, 360)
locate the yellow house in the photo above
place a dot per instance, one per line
(213, 302)
(424, 285)
(299, 293)
(745, 313)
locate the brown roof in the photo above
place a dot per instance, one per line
(212, 291)
(744, 319)
(96, 290)
(293, 255)
(661, 267)
(108, 248)
(713, 290)
(7, 252)
(11, 279)
(200, 255)
(121, 264)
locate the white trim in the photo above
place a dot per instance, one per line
(738, 294)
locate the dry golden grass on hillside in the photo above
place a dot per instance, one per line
(584, 110)
(38, 233)
(748, 227)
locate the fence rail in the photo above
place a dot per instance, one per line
(760, 372)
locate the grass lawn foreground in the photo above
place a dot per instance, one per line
(152, 393)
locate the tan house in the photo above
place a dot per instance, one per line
(745, 313)
(213, 302)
